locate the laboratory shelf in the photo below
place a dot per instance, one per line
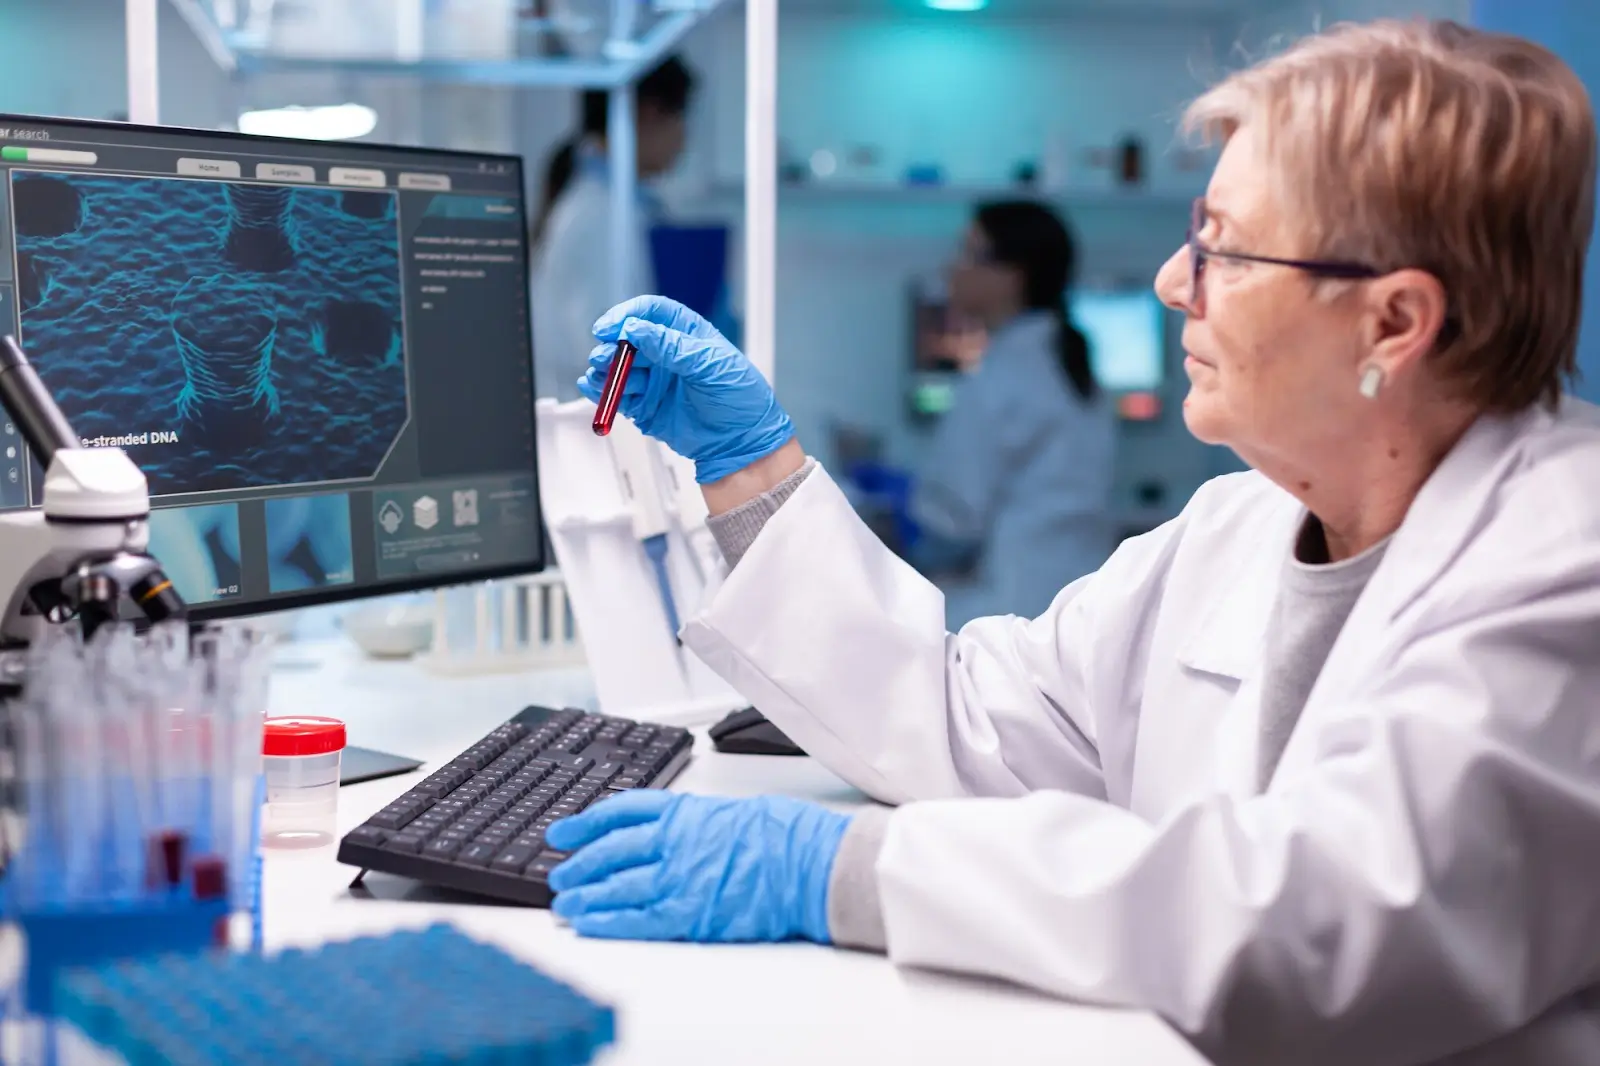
(622, 59)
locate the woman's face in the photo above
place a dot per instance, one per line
(981, 288)
(1273, 367)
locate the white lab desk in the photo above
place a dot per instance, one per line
(702, 1005)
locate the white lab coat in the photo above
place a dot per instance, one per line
(1420, 882)
(1023, 467)
(572, 279)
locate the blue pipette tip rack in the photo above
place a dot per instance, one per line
(423, 997)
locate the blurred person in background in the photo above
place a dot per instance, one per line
(572, 269)
(1009, 503)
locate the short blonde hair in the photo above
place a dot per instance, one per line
(1467, 154)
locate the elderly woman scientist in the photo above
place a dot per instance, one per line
(1313, 770)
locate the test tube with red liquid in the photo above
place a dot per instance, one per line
(611, 396)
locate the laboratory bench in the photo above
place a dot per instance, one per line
(676, 1003)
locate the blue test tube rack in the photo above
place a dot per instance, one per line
(59, 939)
(66, 938)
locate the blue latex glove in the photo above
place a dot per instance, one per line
(653, 865)
(689, 388)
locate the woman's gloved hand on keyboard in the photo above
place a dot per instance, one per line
(653, 865)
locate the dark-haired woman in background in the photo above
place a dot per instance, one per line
(572, 275)
(1010, 502)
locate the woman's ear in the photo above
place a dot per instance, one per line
(1406, 312)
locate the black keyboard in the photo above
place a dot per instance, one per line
(477, 824)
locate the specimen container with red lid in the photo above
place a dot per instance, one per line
(301, 755)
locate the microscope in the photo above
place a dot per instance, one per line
(81, 556)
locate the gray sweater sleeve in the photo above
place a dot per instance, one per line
(855, 910)
(737, 529)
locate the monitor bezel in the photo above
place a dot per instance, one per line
(217, 610)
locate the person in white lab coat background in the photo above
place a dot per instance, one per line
(572, 274)
(1010, 501)
(1311, 771)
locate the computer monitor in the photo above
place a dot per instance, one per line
(318, 352)
(1127, 337)
(1126, 330)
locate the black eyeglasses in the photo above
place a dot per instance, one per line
(1198, 254)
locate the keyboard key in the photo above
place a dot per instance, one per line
(604, 771)
(407, 841)
(532, 840)
(539, 869)
(627, 781)
(368, 834)
(460, 836)
(513, 859)
(443, 849)
(392, 818)
(477, 854)
(573, 764)
(494, 838)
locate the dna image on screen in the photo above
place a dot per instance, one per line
(225, 334)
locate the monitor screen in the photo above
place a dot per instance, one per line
(1127, 337)
(317, 352)
(1126, 329)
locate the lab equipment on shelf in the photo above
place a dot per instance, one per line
(478, 823)
(414, 997)
(302, 760)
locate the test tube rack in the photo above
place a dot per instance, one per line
(509, 626)
(57, 940)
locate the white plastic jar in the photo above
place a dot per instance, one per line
(301, 757)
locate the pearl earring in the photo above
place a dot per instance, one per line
(1371, 381)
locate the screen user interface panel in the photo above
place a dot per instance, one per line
(318, 353)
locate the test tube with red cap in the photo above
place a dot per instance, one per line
(611, 396)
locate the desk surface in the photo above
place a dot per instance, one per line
(706, 1005)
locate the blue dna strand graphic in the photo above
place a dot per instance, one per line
(226, 326)
(260, 234)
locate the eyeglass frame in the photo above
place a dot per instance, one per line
(1199, 253)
